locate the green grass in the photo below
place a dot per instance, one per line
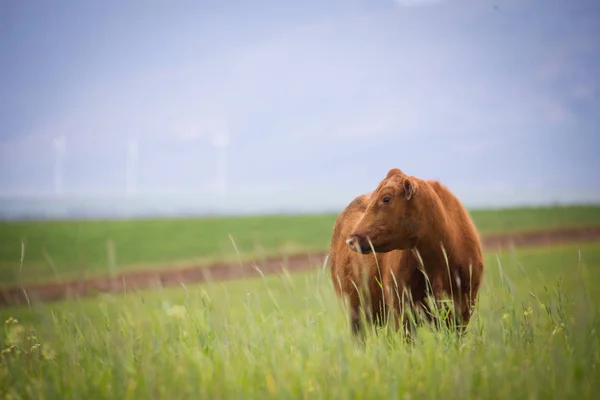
(287, 337)
(59, 249)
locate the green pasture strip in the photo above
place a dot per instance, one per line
(535, 335)
(55, 250)
(524, 219)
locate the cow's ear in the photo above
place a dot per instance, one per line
(393, 171)
(410, 188)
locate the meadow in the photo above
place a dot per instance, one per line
(534, 335)
(55, 250)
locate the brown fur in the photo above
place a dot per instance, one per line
(419, 218)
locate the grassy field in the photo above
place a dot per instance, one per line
(56, 249)
(535, 335)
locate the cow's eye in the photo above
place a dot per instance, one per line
(386, 199)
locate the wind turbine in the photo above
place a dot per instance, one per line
(60, 146)
(221, 143)
(131, 166)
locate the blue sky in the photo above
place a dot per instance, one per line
(497, 99)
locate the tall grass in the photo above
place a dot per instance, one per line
(534, 335)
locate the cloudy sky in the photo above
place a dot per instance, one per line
(495, 98)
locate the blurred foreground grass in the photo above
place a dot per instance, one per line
(59, 249)
(535, 335)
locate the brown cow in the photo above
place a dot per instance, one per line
(425, 244)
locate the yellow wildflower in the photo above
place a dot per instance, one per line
(15, 334)
(558, 329)
(47, 352)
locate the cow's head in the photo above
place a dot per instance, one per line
(391, 220)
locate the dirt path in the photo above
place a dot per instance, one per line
(21, 295)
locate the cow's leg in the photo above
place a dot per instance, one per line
(411, 321)
(435, 307)
(466, 306)
(406, 317)
(356, 323)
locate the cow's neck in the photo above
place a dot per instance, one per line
(432, 253)
(437, 246)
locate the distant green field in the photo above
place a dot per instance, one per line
(535, 335)
(56, 249)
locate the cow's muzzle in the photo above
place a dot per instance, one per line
(358, 242)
